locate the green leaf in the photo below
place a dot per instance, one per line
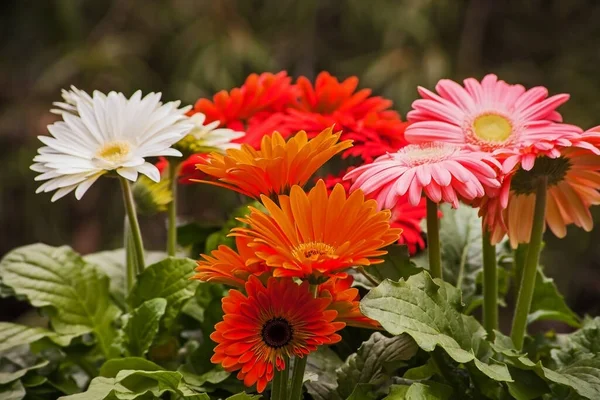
(549, 304)
(7, 377)
(579, 344)
(142, 326)
(322, 364)
(396, 265)
(363, 391)
(12, 391)
(420, 391)
(244, 396)
(100, 388)
(168, 279)
(527, 385)
(427, 311)
(112, 263)
(12, 335)
(366, 366)
(111, 368)
(73, 293)
(578, 370)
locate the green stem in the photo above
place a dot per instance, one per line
(519, 325)
(130, 257)
(172, 209)
(300, 366)
(490, 285)
(370, 278)
(136, 233)
(433, 240)
(276, 385)
(520, 254)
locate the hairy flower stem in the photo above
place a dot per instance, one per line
(490, 285)
(519, 325)
(172, 209)
(300, 366)
(134, 225)
(433, 240)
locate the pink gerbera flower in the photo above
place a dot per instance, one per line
(514, 124)
(445, 172)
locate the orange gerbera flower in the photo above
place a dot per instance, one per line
(276, 167)
(345, 300)
(318, 234)
(260, 330)
(229, 267)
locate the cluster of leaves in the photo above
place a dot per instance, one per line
(103, 342)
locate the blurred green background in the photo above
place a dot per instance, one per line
(192, 48)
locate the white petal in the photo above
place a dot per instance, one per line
(150, 171)
(128, 173)
(62, 193)
(85, 185)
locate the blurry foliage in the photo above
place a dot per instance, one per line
(192, 48)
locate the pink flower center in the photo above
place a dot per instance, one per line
(426, 153)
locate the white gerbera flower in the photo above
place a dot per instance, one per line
(209, 137)
(106, 133)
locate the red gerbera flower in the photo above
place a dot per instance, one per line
(345, 300)
(363, 118)
(262, 329)
(256, 107)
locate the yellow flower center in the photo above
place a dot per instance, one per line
(492, 127)
(312, 250)
(114, 151)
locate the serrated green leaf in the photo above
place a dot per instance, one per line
(420, 391)
(113, 264)
(579, 344)
(581, 374)
(168, 279)
(396, 265)
(427, 311)
(142, 326)
(12, 335)
(366, 366)
(12, 391)
(549, 304)
(322, 364)
(111, 368)
(74, 293)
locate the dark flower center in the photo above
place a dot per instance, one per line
(277, 332)
(555, 169)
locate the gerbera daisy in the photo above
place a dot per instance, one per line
(262, 329)
(404, 216)
(361, 117)
(573, 186)
(254, 108)
(106, 133)
(229, 267)
(514, 124)
(443, 171)
(314, 235)
(274, 168)
(345, 300)
(206, 138)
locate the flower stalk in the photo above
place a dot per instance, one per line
(300, 365)
(136, 234)
(490, 285)
(433, 240)
(527, 286)
(172, 208)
